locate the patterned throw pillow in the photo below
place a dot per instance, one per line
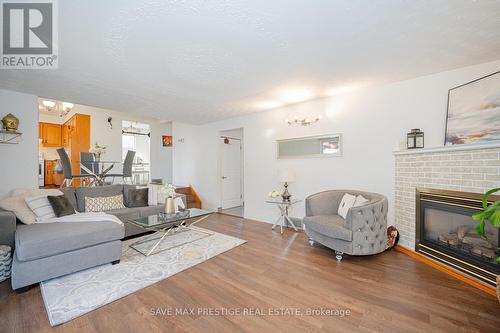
(102, 204)
(40, 205)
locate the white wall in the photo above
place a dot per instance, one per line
(187, 145)
(373, 121)
(100, 131)
(19, 163)
(161, 157)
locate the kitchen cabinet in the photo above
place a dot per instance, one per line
(65, 135)
(50, 134)
(73, 135)
(52, 177)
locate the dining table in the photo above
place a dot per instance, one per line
(99, 170)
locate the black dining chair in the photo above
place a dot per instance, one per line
(66, 165)
(127, 168)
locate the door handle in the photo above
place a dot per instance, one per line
(224, 177)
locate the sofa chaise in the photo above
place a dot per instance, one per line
(47, 250)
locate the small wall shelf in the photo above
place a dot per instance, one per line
(10, 138)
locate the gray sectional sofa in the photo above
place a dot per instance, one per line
(47, 250)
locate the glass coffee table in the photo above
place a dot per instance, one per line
(165, 225)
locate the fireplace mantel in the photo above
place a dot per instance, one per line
(444, 149)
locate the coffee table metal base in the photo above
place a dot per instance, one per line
(168, 231)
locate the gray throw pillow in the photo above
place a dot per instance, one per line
(137, 197)
(61, 205)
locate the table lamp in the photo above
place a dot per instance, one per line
(286, 176)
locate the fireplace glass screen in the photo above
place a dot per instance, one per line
(456, 232)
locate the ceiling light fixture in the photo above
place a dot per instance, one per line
(303, 121)
(66, 108)
(49, 105)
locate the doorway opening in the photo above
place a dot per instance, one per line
(136, 137)
(231, 172)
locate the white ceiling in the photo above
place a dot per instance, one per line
(200, 61)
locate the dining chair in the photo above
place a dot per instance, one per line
(66, 165)
(127, 168)
(87, 160)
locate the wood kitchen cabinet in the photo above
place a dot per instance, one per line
(73, 135)
(65, 135)
(78, 128)
(50, 134)
(52, 177)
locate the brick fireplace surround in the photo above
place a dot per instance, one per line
(467, 168)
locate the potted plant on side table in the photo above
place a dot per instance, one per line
(491, 214)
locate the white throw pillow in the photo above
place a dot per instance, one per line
(41, 207)
(346, 204)
(102, 204)
(360, 201)
(18, 206)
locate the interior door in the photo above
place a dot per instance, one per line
(231, 173)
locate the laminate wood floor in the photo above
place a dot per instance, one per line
(269, 284)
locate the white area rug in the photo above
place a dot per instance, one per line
(76, 294)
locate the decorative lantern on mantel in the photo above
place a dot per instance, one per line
(415, 139)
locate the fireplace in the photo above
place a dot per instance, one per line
(445, 232)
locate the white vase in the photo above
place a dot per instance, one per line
(170, 206)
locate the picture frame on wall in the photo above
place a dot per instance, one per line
(166, 140)
(473, 114)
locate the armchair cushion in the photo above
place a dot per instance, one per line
(329, 225)
(347, 202)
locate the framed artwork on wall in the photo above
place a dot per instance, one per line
(166, 140)
(474, 111)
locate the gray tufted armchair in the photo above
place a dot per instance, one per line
(363, 232)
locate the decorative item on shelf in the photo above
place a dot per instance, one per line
(166, 140)
(10, 123)
(169, 191)
(303, 121)
(274, 194)
(286, 176)
(98, 150)
(415, 139)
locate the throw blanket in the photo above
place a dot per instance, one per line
(85, 217)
